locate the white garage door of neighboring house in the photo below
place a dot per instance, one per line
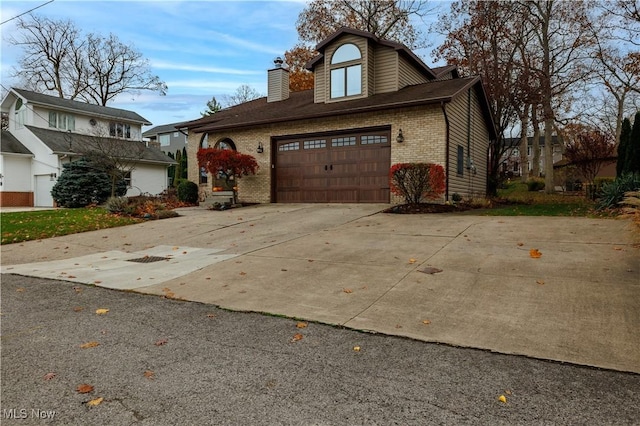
(43, 197)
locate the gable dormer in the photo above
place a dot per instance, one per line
(354, 64)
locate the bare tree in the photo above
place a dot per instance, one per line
(58, 58)
(117, 157)
(387, 19)
(561, 31)
(51, 59)
(484, 38)
(588, 149)
(112, 68)
(243, 93)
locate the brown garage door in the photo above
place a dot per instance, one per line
(341, 168)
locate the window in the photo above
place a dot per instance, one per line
(175, 134)
(225, 144)
(367, 140)
(291, 146)
(165, 140)
(62, 121)
(204, 142)
(120, 130)
(321, 143)
(346, 71)
(126, 176)
(460, 160)
(348, 141)
(203, 175)
(21, 114)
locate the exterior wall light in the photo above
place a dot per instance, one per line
(260, 148)
(400, 137)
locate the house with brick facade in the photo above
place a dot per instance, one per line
(374, 104)
(45, 132)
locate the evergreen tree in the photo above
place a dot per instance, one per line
(625, 135)
(185, 166)
(82, 183)
(178, 170)
(171, 170)
(632, 160)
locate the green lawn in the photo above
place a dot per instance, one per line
(516, 200)
(34, 225)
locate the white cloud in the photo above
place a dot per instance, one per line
(166, 65)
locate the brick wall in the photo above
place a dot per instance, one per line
(423, 128)
(16, 199)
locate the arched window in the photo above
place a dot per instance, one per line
(225, 144)
(204, 142)
(346, 71)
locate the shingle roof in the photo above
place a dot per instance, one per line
(73, 144)
(10, 145)
(165, 128)
(90, 109)
(300, 105)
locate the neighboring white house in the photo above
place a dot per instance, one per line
(44, 132)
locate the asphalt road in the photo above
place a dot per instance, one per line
(166, 362)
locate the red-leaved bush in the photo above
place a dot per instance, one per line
(417, 181)
(227, 163)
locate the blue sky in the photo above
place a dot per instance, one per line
(199, 48)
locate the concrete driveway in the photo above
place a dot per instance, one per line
(463, 280)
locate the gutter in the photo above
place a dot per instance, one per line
(446, 161)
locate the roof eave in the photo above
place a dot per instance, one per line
(372, 108)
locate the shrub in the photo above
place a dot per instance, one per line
(612, 193)
(117, 204)
(415, 181)
(535, 184)
(456, 197)
(188, 192)
(82, 183)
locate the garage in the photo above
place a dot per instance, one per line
(345, 167)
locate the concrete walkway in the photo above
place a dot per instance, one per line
(463, 280)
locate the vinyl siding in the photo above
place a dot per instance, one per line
(408, 75)
(467, 184)
(320, 86)
(386, 70)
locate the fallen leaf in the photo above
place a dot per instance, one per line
(78, 309)
(20, 290)
(356, 348)
(520, 244)
(71, 276)
(535, 253)
(101, 311)
(49, 376)
(412, 260)
(95, 402)
(84, 388)
(161, 342)
(301, 324)
(426, 322)
(617, 248)
(211, 315)
(89, 345)
(149, 374)
(398, 326)
(296, 337)
(508, 392)
(243, 273)
(347, 290)
(541, 282)
(502, 399)
(78, 289)
(97, 282)
(430, 270)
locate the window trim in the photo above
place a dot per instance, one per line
(460, 161)
(340, 73)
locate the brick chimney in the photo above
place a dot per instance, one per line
(277, 82)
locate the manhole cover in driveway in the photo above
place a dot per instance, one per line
(148, 259)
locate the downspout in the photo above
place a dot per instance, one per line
(469, 164)
(446, 154)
